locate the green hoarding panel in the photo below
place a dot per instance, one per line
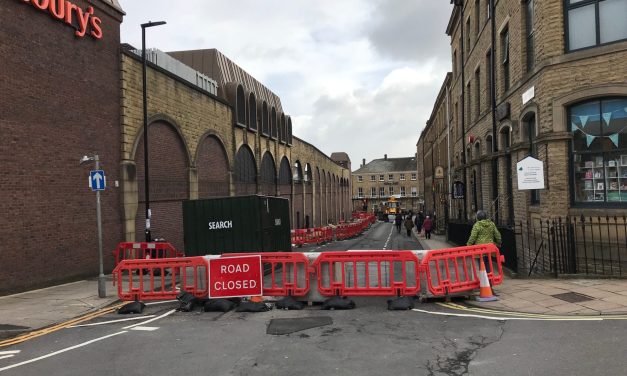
(236, 224)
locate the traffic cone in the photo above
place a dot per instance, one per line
(485, 291)
(256, 299)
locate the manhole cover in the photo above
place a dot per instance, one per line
(287, 326)
(573, 297)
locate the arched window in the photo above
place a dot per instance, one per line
(265, 127)
(240, 105)
(298, 172)
(245, 171)
(505, 138)
(289, 131)
(599, 154)
(273, 130)
(477, 151)
(252, 112)
(488, 144)
(282, 129)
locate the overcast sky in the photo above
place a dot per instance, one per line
(359, 76)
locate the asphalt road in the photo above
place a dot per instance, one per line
(369, 340)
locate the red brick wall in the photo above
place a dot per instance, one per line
(213, 169)
(169, 183)
(59, 101)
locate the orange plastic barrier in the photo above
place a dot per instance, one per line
(286, 273)
(161, 279)
(455, 270)
(141, 250)
(368, 273)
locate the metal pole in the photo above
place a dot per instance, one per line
(146, 174)
(102, 288)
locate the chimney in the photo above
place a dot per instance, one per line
(385, 157)
(363, 162)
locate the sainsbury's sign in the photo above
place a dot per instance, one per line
(65, 11)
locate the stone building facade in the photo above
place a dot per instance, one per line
(71, 91)
(560, 95)
(380, 179)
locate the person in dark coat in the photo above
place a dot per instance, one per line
(420, 218)
(409, 224)
(428, 226)
(398, 220)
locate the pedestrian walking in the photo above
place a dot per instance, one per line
(484, 231)
(398, 220)
(420, 218)
(428, 226)
(409, 224)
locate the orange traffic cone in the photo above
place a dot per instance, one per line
(485, 291)
(256, 299)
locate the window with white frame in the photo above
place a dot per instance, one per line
(373, 178)
(382, 191)
(360, 192)
(391, 190)
(590, 23)
(373, 191)
(403, 191)
(402, 177)
(414, 192)
(390, 177)
(381, 177)
(413, 176)
(360, 178)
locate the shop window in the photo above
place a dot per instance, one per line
(591, 23)
(599, 151)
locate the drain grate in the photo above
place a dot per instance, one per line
(573, 297)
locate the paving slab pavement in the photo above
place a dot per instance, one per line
(545, 296)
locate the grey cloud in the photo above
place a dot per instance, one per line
(411, 30)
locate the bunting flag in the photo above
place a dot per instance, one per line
(607, 116)
(584, 120)
(589, 139)
(574, 126)
(613, 138)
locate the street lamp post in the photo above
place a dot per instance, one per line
(145, 102)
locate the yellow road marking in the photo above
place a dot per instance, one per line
(56, 327)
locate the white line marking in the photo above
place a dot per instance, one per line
(146, 328)
(61, 351)
(113, 321)
(508, 318)
(10, 352)
(151, 320)
(6, 356)
(385, 246)
(162, 302)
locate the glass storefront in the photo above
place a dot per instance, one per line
(599, 130)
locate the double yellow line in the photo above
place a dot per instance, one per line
(540, 316)
(54, 328)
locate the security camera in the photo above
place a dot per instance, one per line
(85, 159)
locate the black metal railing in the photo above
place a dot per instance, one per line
(595, 246)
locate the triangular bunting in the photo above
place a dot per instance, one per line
(589, 139)
(584, 120)
(574, 126)
(614, 139)
(607, 116)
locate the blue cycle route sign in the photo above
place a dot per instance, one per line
(97, 180)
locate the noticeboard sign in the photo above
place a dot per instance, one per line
(530, 172)
(236, 276)
(459, 190)
(439, 172)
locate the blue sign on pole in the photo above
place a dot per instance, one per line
(97, 180)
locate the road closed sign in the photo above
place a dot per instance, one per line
(235, 277)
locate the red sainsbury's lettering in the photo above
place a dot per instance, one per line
(65, 11)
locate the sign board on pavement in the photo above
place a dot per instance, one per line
(236, 276)
(97, 180)
(530, 173)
